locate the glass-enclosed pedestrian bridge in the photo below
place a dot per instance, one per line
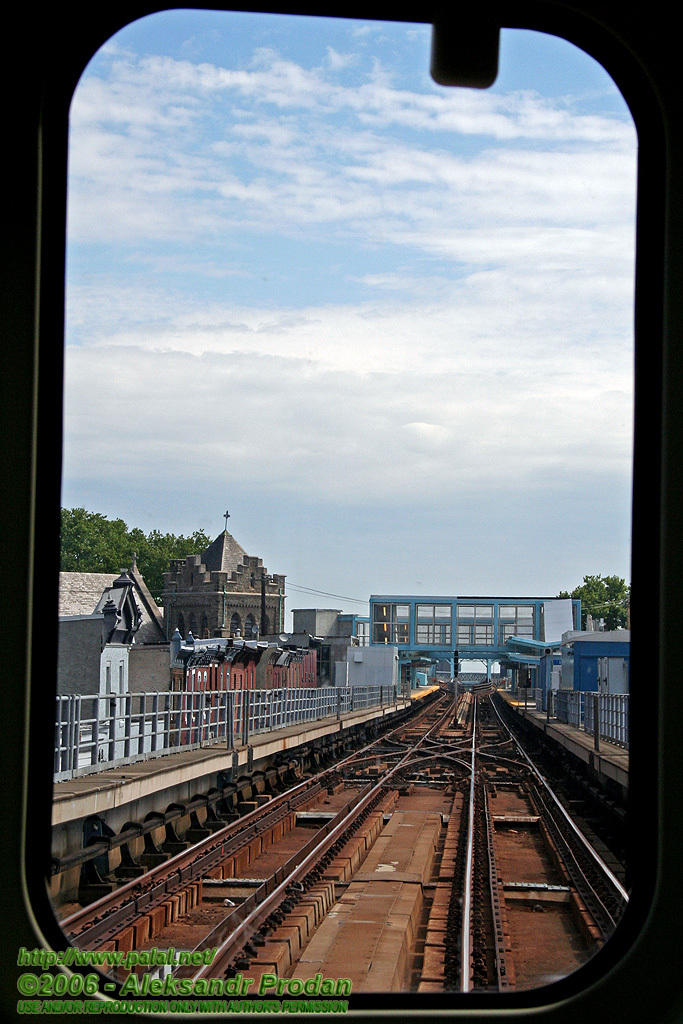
(513, 631)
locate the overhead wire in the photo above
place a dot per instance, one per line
(325, 593)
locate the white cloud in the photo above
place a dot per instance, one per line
(426, 437)
(511, 369)
(336, 61)
(159, 137)
(354, 400)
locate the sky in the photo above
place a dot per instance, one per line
(387, 325)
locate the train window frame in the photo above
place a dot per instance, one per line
(644, 70)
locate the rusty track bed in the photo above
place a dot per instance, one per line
(596, 898)
(494, 865)
(103, 919)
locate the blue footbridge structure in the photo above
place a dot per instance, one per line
(513, 632)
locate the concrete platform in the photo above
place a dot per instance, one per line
(423, 692)
(134, 784)
(610, 762)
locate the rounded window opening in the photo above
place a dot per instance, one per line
(392, 325)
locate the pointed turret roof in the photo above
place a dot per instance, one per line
(224, 554)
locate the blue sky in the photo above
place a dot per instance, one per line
(388, 325)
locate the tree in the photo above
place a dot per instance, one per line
(603, 597)
(92, 543)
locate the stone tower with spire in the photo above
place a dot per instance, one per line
(223, 592)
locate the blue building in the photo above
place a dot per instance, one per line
(513, 631)
(597, 662)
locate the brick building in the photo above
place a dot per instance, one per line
(223, 592)
(289, 668)
(221, 663)
(218, 665)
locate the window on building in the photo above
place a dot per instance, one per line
(433, 624)
(475, 625)
(391, 623)
(483, 635)
(324, 662)
(516, 620)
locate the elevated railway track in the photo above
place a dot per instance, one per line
(436, 858)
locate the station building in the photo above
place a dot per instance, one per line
(512, 631)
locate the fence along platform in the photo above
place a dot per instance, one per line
(582, 710)
(606, 755)
(93, 733)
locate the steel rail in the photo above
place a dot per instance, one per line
(575, 828)
(466, 938)
(499, 743)
(384, 755)
(246, 928)
(138, 895)
(602, 917)
(508, 760)
(179, 868)
(419, 715)
(440, 757)
(141, 894)
(104, 845)
(449, 745)
(258, 904)
(496, 902)
(265, 901)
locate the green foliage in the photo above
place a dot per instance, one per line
(603, 597)
(92, 543)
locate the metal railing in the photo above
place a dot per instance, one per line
(94, 733)
(570, 707)
(578, 708)
(612, 714)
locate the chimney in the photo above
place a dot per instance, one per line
(109, 622)
(176, 641)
